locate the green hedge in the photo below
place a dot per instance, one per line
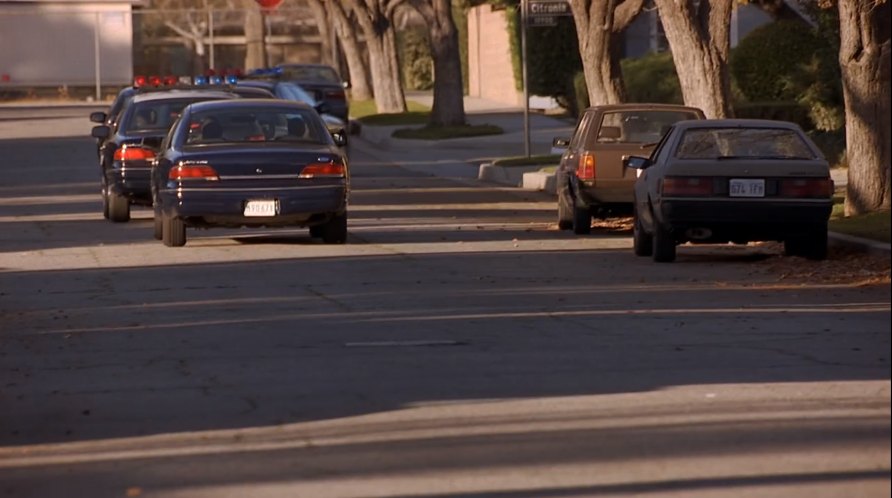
(652, 78)
(765, 62)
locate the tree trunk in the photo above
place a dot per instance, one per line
(255, 53)
(699, 37)
(864, 54)
(449, 105)
(599, 24)
(375, 19)
(360, 89)
(321, 16)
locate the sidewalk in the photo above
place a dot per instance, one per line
(461, 158)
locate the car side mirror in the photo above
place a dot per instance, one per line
(101, 132)
(636, 162)
(97, 117)
(321, 107)
(339, 138)
(346, 85)
(560, 143)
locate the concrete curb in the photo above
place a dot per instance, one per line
(513, 175)
(859, 244)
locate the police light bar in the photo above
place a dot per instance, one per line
(200, 80)
(231, 79)
(215, 80)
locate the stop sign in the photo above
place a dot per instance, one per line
(268, 4)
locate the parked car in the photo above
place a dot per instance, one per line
(292, 91)
(590, 178)
(322, 82)
(129, 145)
(250, 163)
(732, 180)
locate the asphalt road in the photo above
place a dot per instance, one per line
(457, 346)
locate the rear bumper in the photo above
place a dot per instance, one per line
(748, 220)
(133, 183)
(297, 206)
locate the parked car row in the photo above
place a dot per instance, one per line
(687, 179)
(223, 156)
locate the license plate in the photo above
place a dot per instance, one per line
(260, 208)
(746, 187)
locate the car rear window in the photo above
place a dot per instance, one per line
(155, 115)
(644, 126)
(311, 73)
(744, 143)
(248, 124)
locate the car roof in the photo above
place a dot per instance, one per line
(643, 106)
(736, 123)
(269, 84)
(182, 93)
(237, 103)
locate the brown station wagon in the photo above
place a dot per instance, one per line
(591, 179)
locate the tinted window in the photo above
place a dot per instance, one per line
(644, 127)
(311, 73)
(248, 124)
(296, 93)
(749, 143)
(581, 129)
(155, 115)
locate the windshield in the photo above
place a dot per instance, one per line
(249, 124)
(155, 115)
(295, 92)
(744, 143)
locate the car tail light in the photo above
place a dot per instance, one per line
(193, 172)
(806, 187)
(335, 95)
(139, 81)
(586, 168)
(134, 153)
(318, 170)
(687, 186)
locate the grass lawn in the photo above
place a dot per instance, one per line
(873, 226)
(445, 132)
(366, 112)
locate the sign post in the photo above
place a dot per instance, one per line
(266, 7)
(535, 13)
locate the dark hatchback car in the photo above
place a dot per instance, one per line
(250, 163)
(732, 180)
(322, 82)
(128, 147)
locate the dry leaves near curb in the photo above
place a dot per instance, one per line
(842, 266)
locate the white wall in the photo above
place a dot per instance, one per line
(53, 43)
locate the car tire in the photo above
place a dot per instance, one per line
(334, 231)
(582, 220)
(173, 231)
(812, 245)
(642, 242)
(158, 226)
(104, 199)
(663, 244)
(316, 231)
(565, 214)
(118, 208)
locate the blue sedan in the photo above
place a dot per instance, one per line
(250, 163)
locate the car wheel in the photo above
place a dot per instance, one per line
(158, 226)
(663, 244)
(173, 231)
(334, 231)
(812, 245)
(316, 231)
(642, 242)
(582, 220)
(565, 214)
(104, 199)
(118, 208)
